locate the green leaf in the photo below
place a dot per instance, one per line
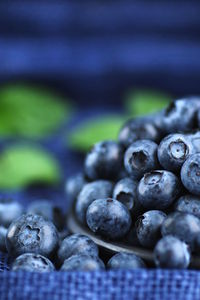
(30, 112)
(143, 102)
(95, 130)
(21, 165)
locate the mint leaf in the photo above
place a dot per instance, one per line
(95, 130)
(30, 112)
(140, 103)
(21, 165)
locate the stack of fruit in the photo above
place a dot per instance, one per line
(143, 189)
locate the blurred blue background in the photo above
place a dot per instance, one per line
(94, 51)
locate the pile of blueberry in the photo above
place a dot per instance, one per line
(142, 190)
(37, 241)
(145, 189)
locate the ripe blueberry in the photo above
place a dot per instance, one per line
(77, 244)
(31, 234)
(108, 217)
(152, 192)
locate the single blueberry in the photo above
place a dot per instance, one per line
(91, 191)
(188, 204)
(82, 262)
(158, 189)
(77, 244)
(195, 140)
(109, 218)
(184, 226)
(74, 184)
(148, 227)
(9, 211)
(181, 115)
(32, 263)
(138, 129)
(171, 253)
(3, 232)
(190, 174)
(140, 158)
(104, 161)
(173, 151)
(31, 234)
(125, 191)
(125, 261)
(48, 211)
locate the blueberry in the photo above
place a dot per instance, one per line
(125, 261)
(171, 253)
(9, 211)
(74, 185)
(188, 204)
(181, 115)
(3, 232)
(195, 140)
(190, 174)
(158, 189)
(48, 211)
(90, 192)
(32, 263)
(140, 158)
(31, 234)
(173, 151)
(104, 161)
(125, 191)
(184, 226)
(138, 129)
(82, 262)
(148, 227)
(77, 244)
(109, 218)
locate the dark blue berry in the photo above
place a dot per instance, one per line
(32, 263)
(90, 192)
(148, 227)
(82, 262)
(190, 174)
(125, 191)
(173, 151)
(3, 232)
(188, 204)
(48, 211)
(104, 161)
(171, 253)
(140, 158)
(74, 185)
(9, 211)
(184, 226)
(109, 218)
(158, 189)
(138, 129)
(181, 115)
(77, 244)
(31, 234)
(125, 261)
